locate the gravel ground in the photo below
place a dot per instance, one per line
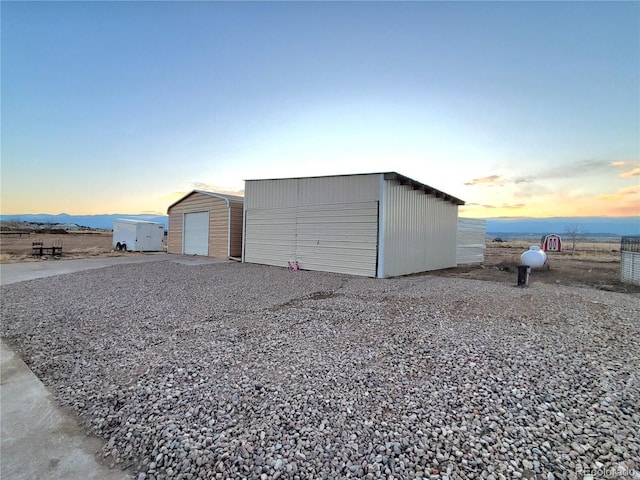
(246, 371)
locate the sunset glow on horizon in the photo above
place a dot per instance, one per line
(521, 109)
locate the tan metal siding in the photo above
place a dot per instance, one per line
(218, 229)
(270, 193)
(289, 220)
(340, 238)
(311, 191)
(218, 223)
(235, 231)
(270, 236)
(419, 231)
(471, 240)
(345, 189)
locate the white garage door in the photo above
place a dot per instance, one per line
(270, 237)
(196, 234)
(341, 237)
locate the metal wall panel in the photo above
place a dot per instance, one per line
(270, 193)
(339, 189)
(270, 236)
(471, 240)
(325, 223)
(630, 267)
(340, 238)
(235, 229)
(290, 192)
(419, 231)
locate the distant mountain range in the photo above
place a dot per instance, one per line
(91, 221)
(597, 226)
(590, 226)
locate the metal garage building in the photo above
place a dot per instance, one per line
(206, 223)
(375, 224)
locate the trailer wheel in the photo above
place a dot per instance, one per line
(124, 247)
(118, 247)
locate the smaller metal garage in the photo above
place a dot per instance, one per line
(206, 223)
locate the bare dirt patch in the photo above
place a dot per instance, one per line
(15, 249)
(594, 265)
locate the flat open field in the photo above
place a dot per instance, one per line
(595, 264)
(74, 245)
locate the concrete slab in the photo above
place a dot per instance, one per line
(194, 261)
(38, 440)
(19, 272)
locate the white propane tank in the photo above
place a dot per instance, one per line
(534, 257)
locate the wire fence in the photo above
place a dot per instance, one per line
(630, 244)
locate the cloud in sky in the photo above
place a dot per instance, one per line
(497, 180)
(489, 180)
(623, 194)
(576, 186)
(624, 202)
(208, 187)
(631, 173)
(569, 170)
(574, 169)
(523, 180)
(503, 206)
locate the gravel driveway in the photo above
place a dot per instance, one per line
(247, 371)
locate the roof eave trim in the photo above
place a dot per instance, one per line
(415, 185)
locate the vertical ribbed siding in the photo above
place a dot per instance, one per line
(290, 192)
(419, 231)
(270, 193)
(345, 189)
(235, 230)
(325, 223)
(630, 267)
(471, 240)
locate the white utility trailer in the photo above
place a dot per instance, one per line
(137, 235)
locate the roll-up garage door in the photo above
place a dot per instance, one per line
(339, 237)
(196, 233)
(270, 236)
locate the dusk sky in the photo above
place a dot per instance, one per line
(518, 108)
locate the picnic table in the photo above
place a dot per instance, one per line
(38, 248)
